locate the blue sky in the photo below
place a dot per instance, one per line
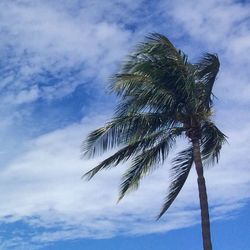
(56, 59)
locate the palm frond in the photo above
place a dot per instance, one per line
(140, 92)
(126, 84)
(146, 162)
(150, 100)
(207, 69)
(179, 173)
(157, 44)
(163, 64)
(126, 152)
(122, 130)
(211, 142)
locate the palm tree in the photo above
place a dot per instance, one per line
(162, 97)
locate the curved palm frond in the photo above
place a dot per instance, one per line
(207, 69)
(179, 173)
(155, 46)
(211, 142)
(140, 92)
(122, 130)
(159, 46)
(145, 163)
(127, 152)
(158, 60)
(147, 101)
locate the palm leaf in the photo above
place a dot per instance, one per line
(208, 68)
(140, 92)
(126, 152)
(211, 142)
(146, 162)
(159, 60)
(179, 173)
(122, 129)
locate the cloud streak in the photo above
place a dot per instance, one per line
(49, 49)
(42, 42)
(43, 188)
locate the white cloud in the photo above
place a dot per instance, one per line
(23, 96)
(221, 27)
(47, 50)
(48, 36)
(43, 188)
(44, 41)
(211, 21)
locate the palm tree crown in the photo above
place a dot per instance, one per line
(162, 97)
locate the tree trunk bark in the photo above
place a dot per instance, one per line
(205, 222)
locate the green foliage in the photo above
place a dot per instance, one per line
(181, 167)
(162, 96)
(211, 142)
(208, 68)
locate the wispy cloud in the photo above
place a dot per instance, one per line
(47, 46)
(43, 188)
(49, 49)
(221, 27)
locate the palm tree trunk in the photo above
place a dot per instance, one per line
(206, 235)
